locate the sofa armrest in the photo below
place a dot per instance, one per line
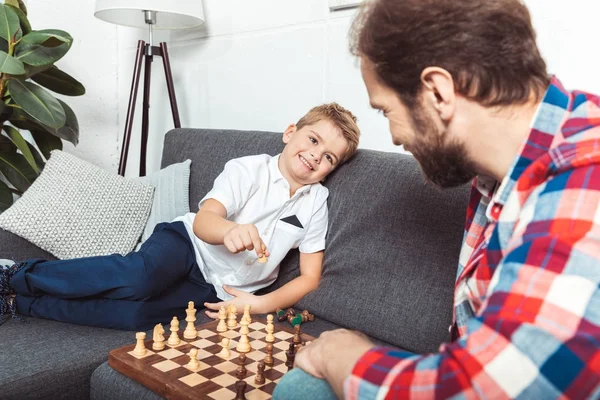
(16, 248)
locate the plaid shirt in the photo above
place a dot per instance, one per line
(527, 297)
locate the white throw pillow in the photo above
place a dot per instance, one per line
(171, 195)
(76, 209)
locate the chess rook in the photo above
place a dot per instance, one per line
(140, 348)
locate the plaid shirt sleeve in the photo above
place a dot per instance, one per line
(537, 332)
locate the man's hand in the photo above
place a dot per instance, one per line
(333, 356)
(245, 237)
(240, 299)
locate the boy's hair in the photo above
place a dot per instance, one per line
(488, 46)
(340, 117)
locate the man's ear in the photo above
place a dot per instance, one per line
(287, 134)
(439, 91)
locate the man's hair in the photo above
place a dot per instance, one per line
(488, 46)
(341, 118)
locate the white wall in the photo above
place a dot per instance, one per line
(258, 65)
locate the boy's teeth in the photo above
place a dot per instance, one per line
(305, 162)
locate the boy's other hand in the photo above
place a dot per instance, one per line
(240, 299)
(245, 237)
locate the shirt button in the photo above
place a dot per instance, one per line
(248, 262)
(231, 279)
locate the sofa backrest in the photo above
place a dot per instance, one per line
(393, 240)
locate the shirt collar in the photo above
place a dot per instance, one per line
(276, 176)
(545, 133)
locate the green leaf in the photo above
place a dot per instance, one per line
(46, 142)
(9, 24)
(6, 145)
(23, 21)
(17, 4)
(59, 82)
(6, 197)
(37, 102)
(43, 47)
(10, 65)
(17, 170)
(70, 130)
(22, 145)
(39, 160)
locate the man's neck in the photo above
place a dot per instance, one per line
(497, 135)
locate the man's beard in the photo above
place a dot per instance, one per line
(444, 163)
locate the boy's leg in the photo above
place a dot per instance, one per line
(299, 385)
(122, 314)
(166, 257)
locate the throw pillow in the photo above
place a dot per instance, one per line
(171, 195)
(76, 209)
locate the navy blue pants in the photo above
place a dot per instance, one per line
(131, 292)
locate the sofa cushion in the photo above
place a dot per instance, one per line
(41, 359)
(76, 209)
(16, 248)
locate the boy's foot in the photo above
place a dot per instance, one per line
(7, 294)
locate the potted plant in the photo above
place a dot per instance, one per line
(27, 71)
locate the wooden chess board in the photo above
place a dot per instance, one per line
(164, 371)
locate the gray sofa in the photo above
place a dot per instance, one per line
(390, 264)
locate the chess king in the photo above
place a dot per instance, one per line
(259, 208)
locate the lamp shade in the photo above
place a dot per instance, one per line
(174, 14)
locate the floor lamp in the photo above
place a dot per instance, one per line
(150, 14)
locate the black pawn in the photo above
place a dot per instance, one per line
(259, 379)
(240, 390)
(290, 355)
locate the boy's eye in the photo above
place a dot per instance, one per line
(329, 158)
(313, 140)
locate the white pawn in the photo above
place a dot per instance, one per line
(232, 317)
(140, 348)
(193, 364)
(222, 327)
(246, 315)
(225, 349)
(158, 337)
(190, 330)
(270, 329)
(174, 338)
(244, 344)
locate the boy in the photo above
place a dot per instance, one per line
(259, 208)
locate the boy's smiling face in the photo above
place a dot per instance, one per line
(311, 153)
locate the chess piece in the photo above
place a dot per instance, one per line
(241, 371)
(290, 355)
(269, 357)
(270, 329)
(222, 327)
(225, 353)
(244, 344)
(232, 317)
(246, 315)
(194, 364)
(281, 315)
(190, 330)
(259, 379)
(240, 390)
(140, 348)
(158, 337)
(264, 258)
(297, 339)
(306, 316)
(174, 338)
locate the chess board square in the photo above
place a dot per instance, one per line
(282, 345)
(202, 343)
(252, 367)
(201, 366)
(181, 343)
(283, 335)
(256, 326)
(166, 365)
(193, 379)
(257, 394)
(205, 333)
(224, 380)
(258, 344)
(280, 368)
(210, 373)
(273, 374)
(257, 335)
(250, 381)
(226, 366)
(231, 334)
(171, 353)
(224, 393)
(148, 353)
(280, 356)
(255, 355)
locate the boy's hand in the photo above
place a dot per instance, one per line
(245, 237)
(240, 299)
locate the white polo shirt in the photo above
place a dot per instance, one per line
(253, 191)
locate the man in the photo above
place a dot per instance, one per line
(465, 89)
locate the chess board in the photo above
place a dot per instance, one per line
(164, 372)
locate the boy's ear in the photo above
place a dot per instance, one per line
(287, 134)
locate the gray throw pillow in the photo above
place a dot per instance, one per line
(171, 195)
(76, 209)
